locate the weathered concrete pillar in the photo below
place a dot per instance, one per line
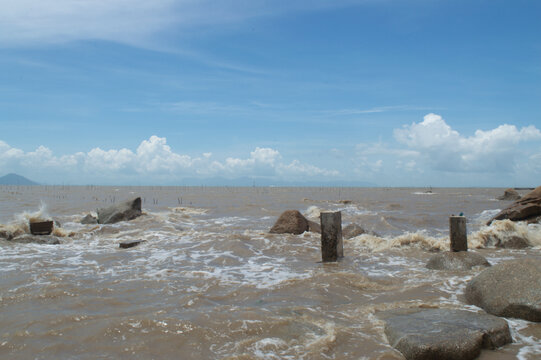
(332, 247)
(457, 233)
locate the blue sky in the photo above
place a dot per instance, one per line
(388, 92)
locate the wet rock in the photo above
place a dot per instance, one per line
(314, 227)
(345, 202)
(352, 230)
(512, 242)
(524, 209)
(125, 211)
(89, 219)
(510, 289)
(443, 333)
(509, 194)
(461, 260)
(290, 222)
(36, 239)
(130, 244)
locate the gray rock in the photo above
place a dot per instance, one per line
(443, 334)
(352, 230)
(508, 242)
(36, 239)
(125, 211)
(290, 222)
(510, 289)
(314, 227)
(461, 260)
(89, 219)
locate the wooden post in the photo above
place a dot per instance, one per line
(457, 233)
(332, 247)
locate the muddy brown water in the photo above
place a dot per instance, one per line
(210, 282)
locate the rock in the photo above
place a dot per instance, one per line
(352, 230)
(462, 260)
(509, 194)
(345, 202)
(89, 219)
(524, 209)
(36, 239)
(314, 227)
(290, 222)
(443, 334)
(512, 242)
(125, 211)
(510, 289)
(130, 244)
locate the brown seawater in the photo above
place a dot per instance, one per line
(210, 282)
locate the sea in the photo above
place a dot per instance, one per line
(210, 281)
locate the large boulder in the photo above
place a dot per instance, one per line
(460, 260)
(443, 334)
(290, 222)
(509, 195)
(125, 211)
(510, 289)
(528, 208)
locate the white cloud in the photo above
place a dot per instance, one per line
(153, 158)
(136, 22)
(446, 149)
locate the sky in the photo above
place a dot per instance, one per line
(271, 92)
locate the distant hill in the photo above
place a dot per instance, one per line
(14, 179)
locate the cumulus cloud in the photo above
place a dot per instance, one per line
(153, 158)
(446, 149)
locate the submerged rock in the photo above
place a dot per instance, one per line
(36, 239)
(125, 211)
(314, 227)
(130, 244)
(508, 242)
(443, 333)
(461, 260)
(290, 222)
(89, 220)
(509, 194)
(352, 230)
(528, 208)
(510, 289)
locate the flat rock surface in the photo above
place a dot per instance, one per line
(461, 260)
(443, 334)
(125, 211)
(510, 289)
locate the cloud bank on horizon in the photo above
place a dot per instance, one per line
(303, 91)
(430, 146)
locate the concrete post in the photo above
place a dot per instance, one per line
(332, 247)
(457, 233)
